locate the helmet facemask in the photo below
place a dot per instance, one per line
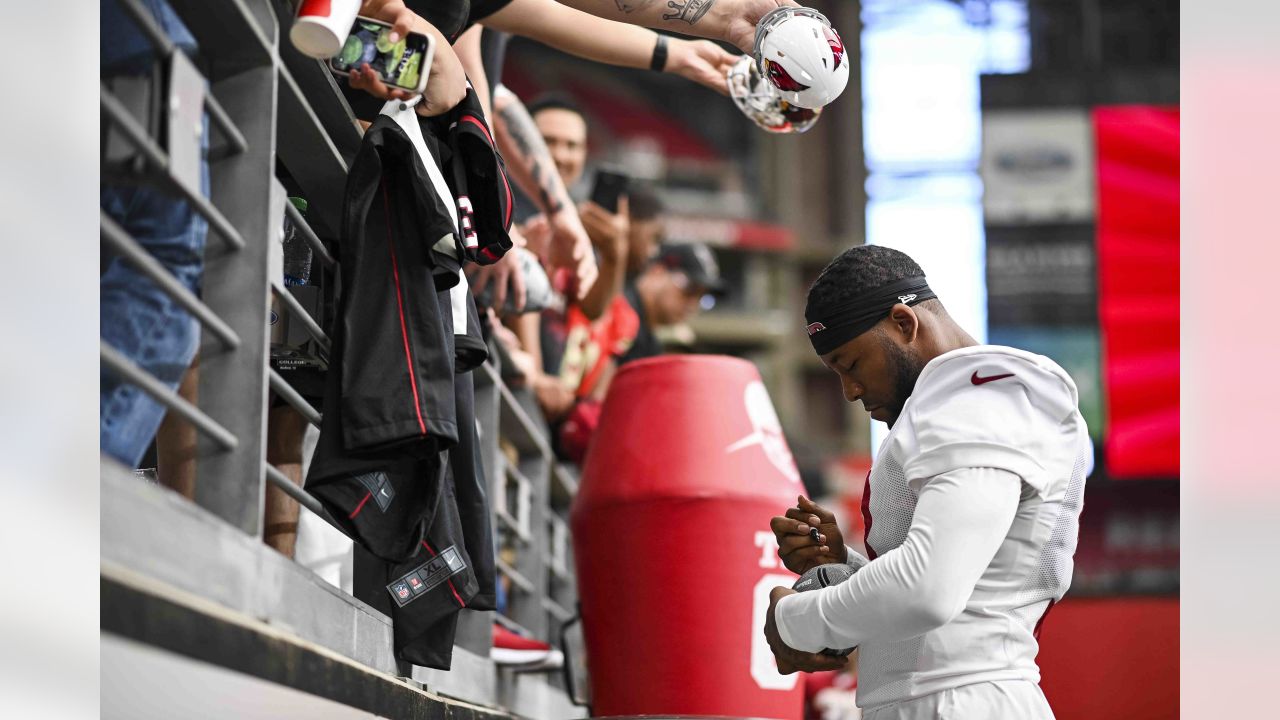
(759, 100)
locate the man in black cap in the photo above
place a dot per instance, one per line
(669, 292)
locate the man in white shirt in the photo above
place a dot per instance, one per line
(971, 507)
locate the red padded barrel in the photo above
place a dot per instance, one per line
(671, 538)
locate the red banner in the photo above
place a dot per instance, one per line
(1138, 214)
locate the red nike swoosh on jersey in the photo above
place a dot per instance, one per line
(980, 380)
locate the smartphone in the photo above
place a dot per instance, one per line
(404, 64)
(609, 186)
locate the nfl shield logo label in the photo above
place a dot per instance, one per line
(402, 591)
(816, 327)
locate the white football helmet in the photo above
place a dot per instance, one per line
(802, 56)
(761, 101)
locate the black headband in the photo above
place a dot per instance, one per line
(832, 326)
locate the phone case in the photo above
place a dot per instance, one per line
(425, 65)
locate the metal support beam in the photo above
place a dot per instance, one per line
(222, 121)
(164, 47)
(309, 235)
(233, 386)
(149, 27)
(299, 313)
(304, 498)
(281, 387)
(234, 35)
(310, 155)
(159, 161)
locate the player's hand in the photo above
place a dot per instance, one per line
(608, 231)
(797, 548)
(571, 249)
(701, 61)
(740, 28)
(789, 659)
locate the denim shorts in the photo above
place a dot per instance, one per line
(137, 318)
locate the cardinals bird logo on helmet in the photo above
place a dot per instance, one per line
(802, 56)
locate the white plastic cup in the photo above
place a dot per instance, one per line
(322, 26)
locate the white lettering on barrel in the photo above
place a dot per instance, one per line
(768, 544)
(764, 668)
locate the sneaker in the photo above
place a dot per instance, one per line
(512, 649)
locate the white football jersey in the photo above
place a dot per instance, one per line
(981, 407)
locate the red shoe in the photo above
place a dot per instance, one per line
(512, 649)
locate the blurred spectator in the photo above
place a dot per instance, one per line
(670, 292)
(541, 336)
(645, 228)
(564, 129)
(552, 131)
(137, 318)
(557, 236)
(592, 346)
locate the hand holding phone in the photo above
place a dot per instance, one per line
(403, 65)
(610, 184)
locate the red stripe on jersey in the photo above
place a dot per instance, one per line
(452, 589)
(866, 518)
(506, 186)
(404, 330)
(360, 507)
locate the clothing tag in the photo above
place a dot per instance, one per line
(379, 486)
(427, 576)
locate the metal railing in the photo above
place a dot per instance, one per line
(267, 103)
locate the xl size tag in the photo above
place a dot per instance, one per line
(427, 576)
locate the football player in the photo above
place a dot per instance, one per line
(971, 508)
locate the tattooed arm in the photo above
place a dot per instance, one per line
(733, 21)
(529, 164)
(527, 155)
(617, 43)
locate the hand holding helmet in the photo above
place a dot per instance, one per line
(802, 56)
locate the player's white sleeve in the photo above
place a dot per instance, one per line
(855, 559)
(960, 521)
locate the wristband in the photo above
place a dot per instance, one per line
(659, 61)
